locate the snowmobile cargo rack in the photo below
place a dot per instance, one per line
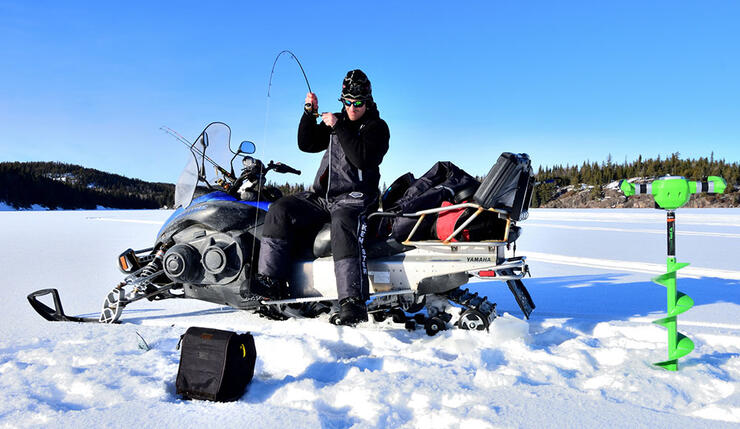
(421, 214)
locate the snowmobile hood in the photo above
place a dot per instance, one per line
(195, 205)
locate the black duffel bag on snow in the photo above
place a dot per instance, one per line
(215, 365)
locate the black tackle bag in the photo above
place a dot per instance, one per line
(215, 365)
(443, 182)
(508, 185)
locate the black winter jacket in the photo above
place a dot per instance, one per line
(354, 151)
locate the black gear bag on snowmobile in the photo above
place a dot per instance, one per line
(443, 182)
(215, 365)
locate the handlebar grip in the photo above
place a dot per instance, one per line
(282, 168)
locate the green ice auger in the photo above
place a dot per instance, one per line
(670, 193)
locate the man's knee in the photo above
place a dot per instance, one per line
(279, 218)
(345, 219)
(346, 234)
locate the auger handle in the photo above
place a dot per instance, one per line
(713, 185)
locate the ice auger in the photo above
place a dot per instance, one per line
(670, 193)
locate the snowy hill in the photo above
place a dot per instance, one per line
(609, 196)
(51, 185)
(582, 360)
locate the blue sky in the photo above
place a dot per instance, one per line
(91, 82)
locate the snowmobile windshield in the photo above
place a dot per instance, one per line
(186, 184)
(215, 159)
(210, 162)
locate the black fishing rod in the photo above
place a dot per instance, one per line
(308, 106)
(192, 147)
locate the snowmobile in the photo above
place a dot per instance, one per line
(208, 250)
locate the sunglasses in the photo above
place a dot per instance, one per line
(357, 104)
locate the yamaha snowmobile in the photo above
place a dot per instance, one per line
(208, 248)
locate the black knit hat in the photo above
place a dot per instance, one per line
(357, 86)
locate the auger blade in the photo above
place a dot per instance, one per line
(684, 346)
(665, 321)
(670, 365)
(667, 280)
(683, 303)
(679, 265)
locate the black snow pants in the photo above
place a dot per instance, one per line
(292, 223)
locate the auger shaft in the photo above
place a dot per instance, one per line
(676, 302)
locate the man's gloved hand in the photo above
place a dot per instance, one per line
(329, 119)
(312, 104)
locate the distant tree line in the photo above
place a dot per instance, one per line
(68, 186)
(289, 189)
(551, 179)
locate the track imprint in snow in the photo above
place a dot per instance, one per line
(634, 230)
(705, 217)
(639, 267)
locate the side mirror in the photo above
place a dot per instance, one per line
(247, 147)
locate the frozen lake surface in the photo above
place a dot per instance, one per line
(582, 360)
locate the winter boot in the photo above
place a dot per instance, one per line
(352, 311)
(270, 288)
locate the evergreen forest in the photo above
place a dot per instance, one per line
(67, 186)
(551, 179)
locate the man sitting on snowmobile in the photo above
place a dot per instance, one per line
(344, 191)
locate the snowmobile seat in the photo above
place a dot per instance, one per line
(374, 247)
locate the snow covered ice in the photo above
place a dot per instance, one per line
(584, 359)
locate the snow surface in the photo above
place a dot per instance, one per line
(582, 360)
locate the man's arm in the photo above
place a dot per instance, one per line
(312, 137)
(367, 148)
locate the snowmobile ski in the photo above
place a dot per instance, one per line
(57, 313)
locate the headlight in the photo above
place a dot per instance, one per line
(248, 162)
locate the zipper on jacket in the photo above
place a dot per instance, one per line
(328, 179)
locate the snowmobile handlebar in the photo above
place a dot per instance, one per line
(282, 168)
